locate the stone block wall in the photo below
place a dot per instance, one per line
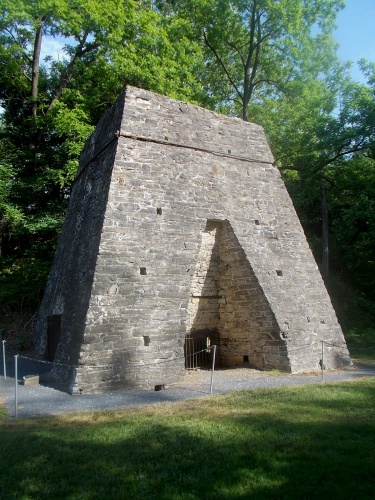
(178, 224)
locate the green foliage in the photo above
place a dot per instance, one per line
(9, 214)
(52, 102)
(22, 341)
(301, 442)
(352, 205)
(72, 124)
(356, 314)
(256, 50)
(22, 282)
(338, 154)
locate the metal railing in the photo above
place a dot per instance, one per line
(197, 353)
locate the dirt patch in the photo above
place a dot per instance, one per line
(196, 377)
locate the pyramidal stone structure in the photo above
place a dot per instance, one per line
(179, 226)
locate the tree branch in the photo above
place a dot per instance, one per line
(66, 76)
(337, 156)
(233, 46)
(270, 82)
(355, 149)
(219, 60)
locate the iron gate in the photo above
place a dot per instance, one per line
(197, 353)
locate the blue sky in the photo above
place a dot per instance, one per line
(356, 33)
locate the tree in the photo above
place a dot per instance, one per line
(275, 62)
(340, 154)
(51, 103)
(255, 48)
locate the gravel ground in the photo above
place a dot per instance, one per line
(47, 399)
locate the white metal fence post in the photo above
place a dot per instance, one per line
(213, 367)
(16, 385)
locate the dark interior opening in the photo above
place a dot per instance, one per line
(53, 335)
(198, 349)
(146, 340)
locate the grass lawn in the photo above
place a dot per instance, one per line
(294, 443)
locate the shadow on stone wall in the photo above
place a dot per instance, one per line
(68, 291)
(228, 305)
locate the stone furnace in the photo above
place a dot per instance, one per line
(179, 225)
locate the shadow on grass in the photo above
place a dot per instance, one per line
(266, 444)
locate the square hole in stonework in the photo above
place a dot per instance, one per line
(257, 222)
(159, 211)
(246, 359)
(279, 273)
(146, 340)
(159, 387)
(143, 271)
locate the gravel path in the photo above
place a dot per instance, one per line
(47, 399)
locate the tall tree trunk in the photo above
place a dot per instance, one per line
(252, 61)
(67, 75)
(246, 97)
(35, 67)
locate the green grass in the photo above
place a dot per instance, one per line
(294, 443)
